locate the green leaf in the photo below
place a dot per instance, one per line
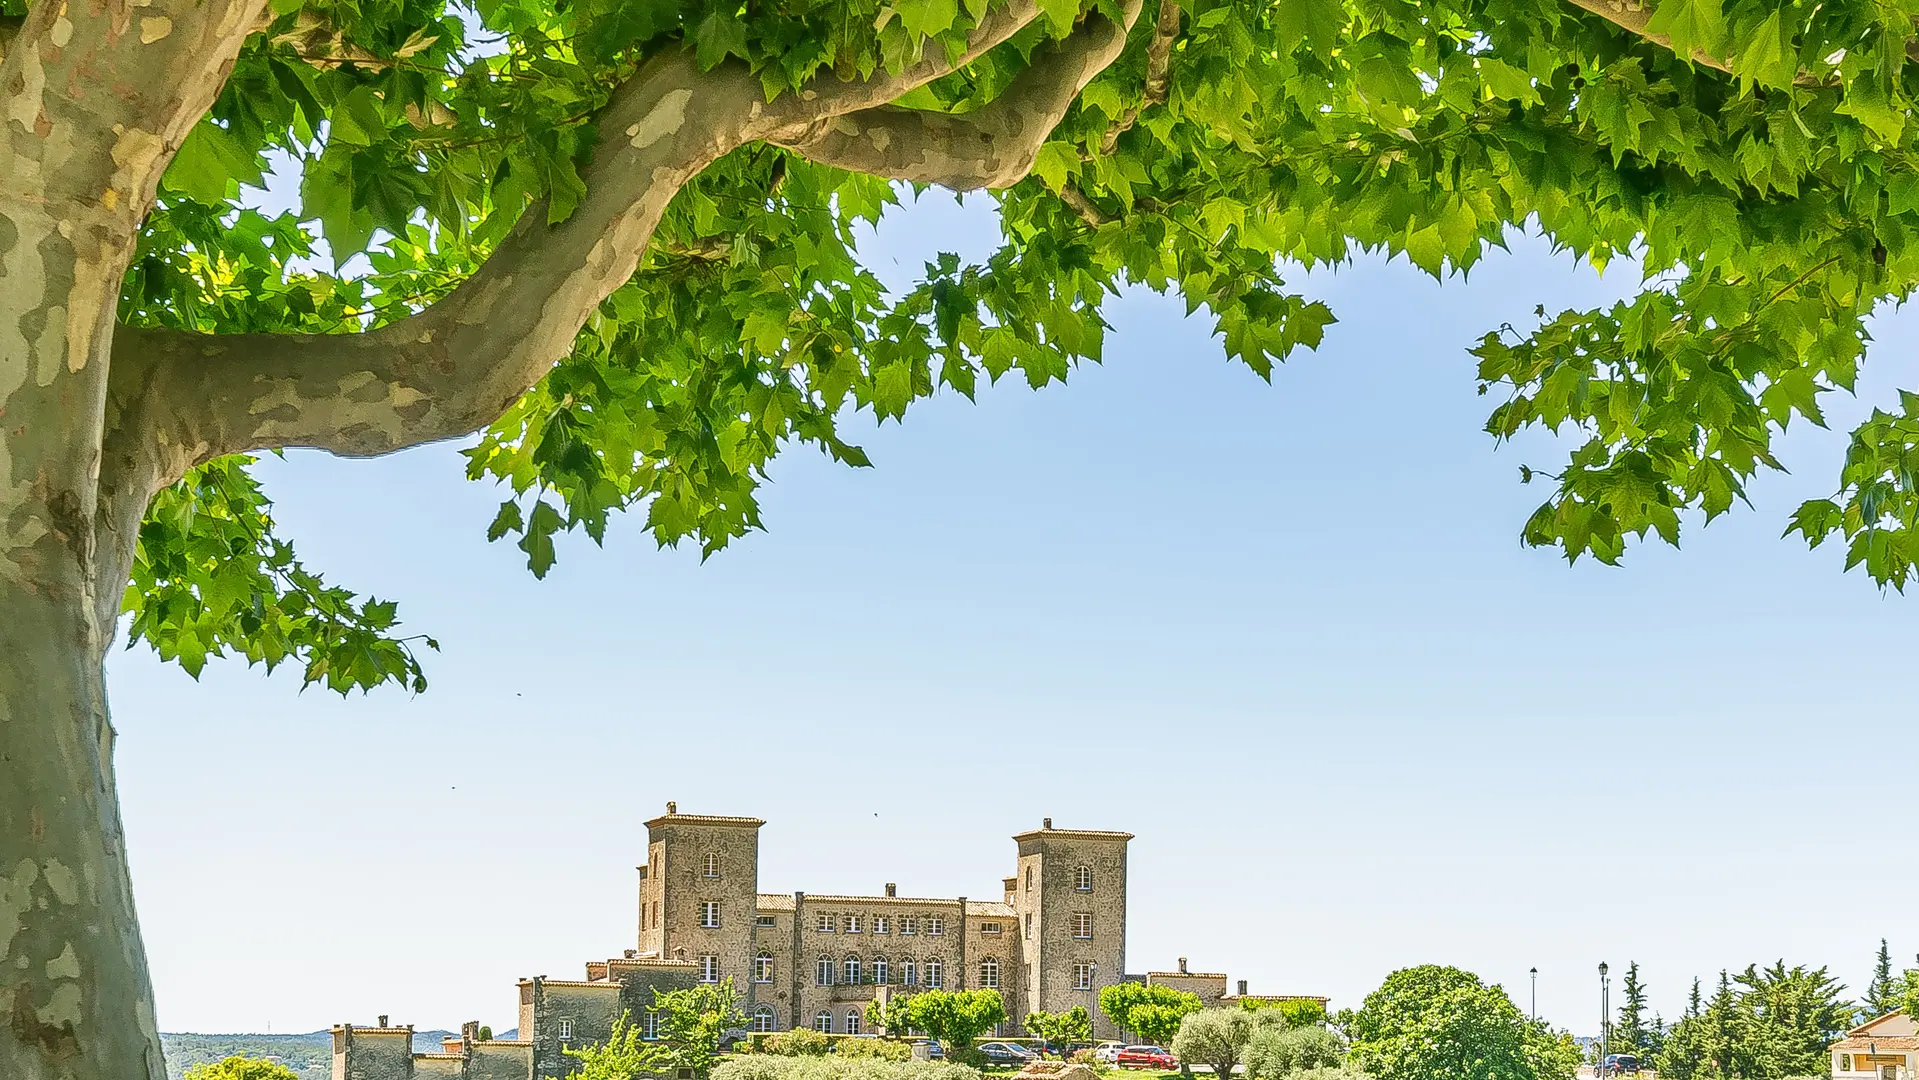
(1692, 26)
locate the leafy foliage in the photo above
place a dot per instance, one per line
(1772, 206)
(799, 1042)
(1295, 1012)
(240, 1068)
(953, 1018)
(1154, 1013)
(879, 1049)
(625, 1055)
(1763, 1024)
(1061, 1028)
(1276, 1051)
(209, 575)
(835, 1067)
(1430, 1022)
(1886, 991)
(1214, 1037)
(692, 1021)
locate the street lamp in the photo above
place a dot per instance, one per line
(1605, 1016)
(1535, 974)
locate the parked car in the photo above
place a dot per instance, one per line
(1145, 1057)
(933, 1050)
(1619, 1065)
(1107, 1053)
(999, 1053)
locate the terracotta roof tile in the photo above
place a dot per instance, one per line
(1883, 1042)
(706, 819)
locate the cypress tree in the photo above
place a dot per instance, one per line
(1882, 993)
(1631, 1032)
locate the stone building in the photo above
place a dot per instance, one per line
(1051, 939)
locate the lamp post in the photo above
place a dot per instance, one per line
(1535, 1011)
(1605, 1017)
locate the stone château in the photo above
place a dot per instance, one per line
(1055, 935)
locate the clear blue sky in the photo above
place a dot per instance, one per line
(1285, 634)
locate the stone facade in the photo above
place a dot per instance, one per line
(1052, 939)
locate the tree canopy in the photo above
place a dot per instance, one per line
(1153, 1013)
(1440, 1023)
(1751, 157)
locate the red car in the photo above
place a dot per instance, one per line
(1145, 1057)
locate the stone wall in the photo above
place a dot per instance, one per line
(372, 1053)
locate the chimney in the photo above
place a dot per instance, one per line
(892, 889)
(1242, 988)
(1182, 965)
(382, 1022)
(1046, 823)
(631, 953)
(672, 807)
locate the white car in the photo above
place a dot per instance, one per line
(1107, 1053)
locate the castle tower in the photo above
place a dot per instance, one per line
(698, 893)
(1069, 892)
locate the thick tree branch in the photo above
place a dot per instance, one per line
(1159, 62)
(1635, 16)
(992, 146)
(454, 367)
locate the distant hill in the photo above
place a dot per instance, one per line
(310, 1055)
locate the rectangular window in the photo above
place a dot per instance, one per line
(823, 972)
(989, 928)
(710, 914)
(765, 920)
(852, 924)
(823, 1021)
(909, 973)
(935, 974)
(709, 968)
(909, 925)
(1845, 1062)
(1029, 924)
(650, 1027)
(881, 924)
(566, 1029)
(1083, 925)
(935, 926)
(825, 924)
(1082, 976)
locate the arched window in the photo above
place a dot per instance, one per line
(852, 1021)
(823, 971)
(989, 973)
(823, 1021)
(852, 971)
(935, 974)
(879, 971)
(712, 864)
(1083, 879)
(763, 1018)
(763, 967)
(909, 973)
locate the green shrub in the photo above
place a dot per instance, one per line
(1333, 1072)
(800, 1042)
(1276, 1052)
(882, 1049)
(837, 1067)
(1084, 1057)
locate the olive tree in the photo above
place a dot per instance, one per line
(1215, 1038)
(611, 242)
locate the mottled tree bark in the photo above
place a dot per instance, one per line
(95, 419)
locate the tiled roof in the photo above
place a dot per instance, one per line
(1868, 1025)
(1882, 1042)
(1276, 997)
(578, 982)
(921, 900)
(772, 901)
(504, 1042)
(1074, 834)
(989, 907)
(371, 1030)
(439, 1057)
(706, 819)
(1185, 974)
